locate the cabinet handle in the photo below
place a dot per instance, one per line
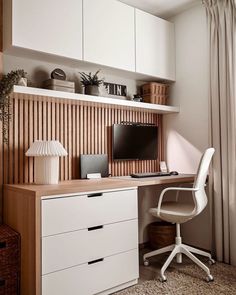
(95, 227)
(95, 195)
(95, 261)
(2, 282)
(3, 245)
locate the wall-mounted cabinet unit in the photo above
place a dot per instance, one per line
(109, 34)
(155, 46)
(53, 27)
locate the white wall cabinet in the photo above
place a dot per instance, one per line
(53, 27)
(155, 46)
(109, 34)
(105, 32)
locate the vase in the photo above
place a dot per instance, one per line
(91, 90)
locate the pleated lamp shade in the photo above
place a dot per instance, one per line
(46, 155)
(44, 148)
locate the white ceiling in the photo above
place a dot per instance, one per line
(162, 8)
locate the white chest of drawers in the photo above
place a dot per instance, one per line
(89, 242)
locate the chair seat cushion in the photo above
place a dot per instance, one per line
(174, 212)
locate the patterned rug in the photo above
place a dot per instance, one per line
(185, 279)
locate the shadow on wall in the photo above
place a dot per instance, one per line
(181, 155)
(39, 74)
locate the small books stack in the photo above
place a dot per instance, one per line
(59, 85)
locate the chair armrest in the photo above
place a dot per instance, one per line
(177, 193)
(186, 189)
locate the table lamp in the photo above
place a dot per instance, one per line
(46, 155)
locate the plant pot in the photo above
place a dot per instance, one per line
(91, 90)
(22, 82)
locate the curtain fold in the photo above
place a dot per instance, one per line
(221, 17)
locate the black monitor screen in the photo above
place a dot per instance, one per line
(134, 142)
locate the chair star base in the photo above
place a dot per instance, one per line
(177, 250)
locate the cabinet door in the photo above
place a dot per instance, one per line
(155, 46)
(53, 26)
(109, 34)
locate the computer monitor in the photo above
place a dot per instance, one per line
(135, 142)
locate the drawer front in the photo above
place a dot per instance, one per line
(88, 279)
(79, 212)
(74, 248)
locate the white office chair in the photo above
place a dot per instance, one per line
(176, 212)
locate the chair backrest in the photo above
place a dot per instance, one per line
(200, 197)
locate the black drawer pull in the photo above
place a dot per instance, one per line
(95, 227)
(96, 261)
(2, 282)
(95, 195)
(3, 245)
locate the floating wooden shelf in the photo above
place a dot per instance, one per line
(90, 100)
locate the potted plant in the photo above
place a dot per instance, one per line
(91, 83)
(6, 85)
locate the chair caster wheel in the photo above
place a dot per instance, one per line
(146, 263)
(211, 261)
(209, 278)
(163, 279)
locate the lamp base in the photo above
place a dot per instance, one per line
(46, 170)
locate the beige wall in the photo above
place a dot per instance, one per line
(186, 134)
(39, 70)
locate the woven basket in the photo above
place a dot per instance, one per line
(161, 234)
(156, 93)
(9, 261)
(9, 283)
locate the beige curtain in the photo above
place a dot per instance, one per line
(221, 16)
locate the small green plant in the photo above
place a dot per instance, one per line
(90, 79)
(6, 86)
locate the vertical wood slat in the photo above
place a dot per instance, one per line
(73, 143)
(65, 143)
(1, 139)
(15, 140)
(10, 150)
(31, 139)
(25, 140)
(81, 129)
(69, 143)
(77, 134)
(21, 143)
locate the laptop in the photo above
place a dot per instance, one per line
(94, 164)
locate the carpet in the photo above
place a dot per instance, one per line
(185, 279)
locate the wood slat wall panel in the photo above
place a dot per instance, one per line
(81, 129)
(1, 139)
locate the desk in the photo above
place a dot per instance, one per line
(84, 185)
(36, 212)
